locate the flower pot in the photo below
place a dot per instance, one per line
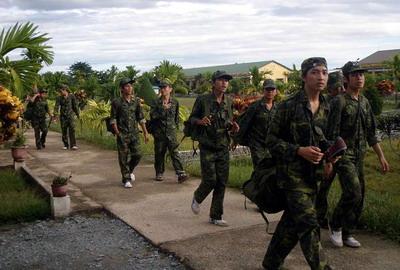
(59, 191)
(19, 153)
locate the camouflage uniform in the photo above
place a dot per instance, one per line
(126, 115)
(214, 149)
(39, 109)
(335, 81)
(166, 122)
(257, 130)
(67, 105)
(355, 122)
(295, 126)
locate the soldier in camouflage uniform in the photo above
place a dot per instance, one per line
(294, 138)
(335, 87)
(126, 114)
(256, 121)
(39, 108)
(351, 118)
(164, 115)
(212, 116)
(66, 106)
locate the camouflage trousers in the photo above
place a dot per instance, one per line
(298, 224)
(68, 131)
(161, 144)
(214, 176)
(351, 177)
(40, 128)
(322, 197)
(128, 154)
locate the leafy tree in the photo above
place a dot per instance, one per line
(236, 85)
(130, 72)
(144, 90)
(21, 75)
(372, 93)
(295, 82)
(52, 82)
(203, 83)
(394, 65)
(80, 71)
(257, 77)
(172, 72)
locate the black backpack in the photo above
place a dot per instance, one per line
(262, 189)
(109, 127)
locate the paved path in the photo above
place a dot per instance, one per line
(161, 212)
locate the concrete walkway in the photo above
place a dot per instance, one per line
(161, 212)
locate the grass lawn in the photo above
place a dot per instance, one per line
(19, 201)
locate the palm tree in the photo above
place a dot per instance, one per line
(257, 77)
(21, 75)
(171, 71)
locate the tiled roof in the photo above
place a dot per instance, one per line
(379, 57)
(231, 69)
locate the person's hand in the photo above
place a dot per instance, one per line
(235, 127)
(328, 169)
(205, 121)
(384, 165)
(311, 153)
(233, 146)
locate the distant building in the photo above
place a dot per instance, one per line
(376, 61)
(279, 72)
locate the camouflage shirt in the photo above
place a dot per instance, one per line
(260, 122)
(126, 115)
(39, 109)
(294, 126)
(216, 135)
(357, 128)
(166, 121)
(67, 106)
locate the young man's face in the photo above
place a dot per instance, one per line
(64, 92)
(316, 78)
(269, 93)
(221, 84)
(355, 80)
(166, 90)
(127, 89)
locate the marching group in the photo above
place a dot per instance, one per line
(293, 133)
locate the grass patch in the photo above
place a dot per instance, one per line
(186, 101)
(106, 140)
(240, 170)
(19, 201)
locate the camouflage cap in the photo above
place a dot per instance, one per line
(165, 83)
(269, 84)
(351, 67)
(311, 62)
(221, 74)
(125, 81)
(335, 79)
(42, 91)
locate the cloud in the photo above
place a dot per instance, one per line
(193, 33)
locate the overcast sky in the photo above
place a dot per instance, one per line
(201, 33)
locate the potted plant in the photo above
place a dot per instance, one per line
(59, 185)
(18, 147)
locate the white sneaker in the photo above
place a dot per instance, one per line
(75, 147)
(218, 222)
(127, 184)
(195, 207)
(133, 178)
(65, 148)
(351, 242)
(336, 238)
